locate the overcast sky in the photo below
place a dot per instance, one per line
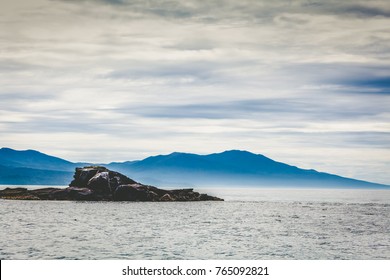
(303, 82)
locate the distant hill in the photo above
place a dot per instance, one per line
(33, 159)
(30, 176)
(228, 169)
(34, 168)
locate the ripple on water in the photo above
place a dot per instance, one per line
(204, 230)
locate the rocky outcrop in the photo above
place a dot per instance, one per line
(97, 183)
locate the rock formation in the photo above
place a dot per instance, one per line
(97, 183)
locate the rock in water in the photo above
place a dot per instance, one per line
(97, 183)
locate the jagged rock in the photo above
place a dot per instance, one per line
(49, 193)
(83, 175)
(100, 184)
(97, 183)
(116, 179)
(166, 197)
(130, 193)
(75, 193)
(59, 195)
(17, 193)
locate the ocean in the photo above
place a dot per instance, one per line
(321, 224)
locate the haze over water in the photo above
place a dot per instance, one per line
(250, 224)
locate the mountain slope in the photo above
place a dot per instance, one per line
(233, 162)
(230, 169)
(30, 176)
(33, 159)
(31, 167)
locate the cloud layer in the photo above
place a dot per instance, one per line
(304, 82)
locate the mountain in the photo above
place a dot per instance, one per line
(34, 168)
(33, 159)
(229, 169)
(30, 176)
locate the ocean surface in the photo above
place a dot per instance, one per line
(250, 224)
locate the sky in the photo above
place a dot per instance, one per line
(303, 82)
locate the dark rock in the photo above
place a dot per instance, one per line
(17, 193)
(116, 179)
(97, 183)
(100, 184)
(61, 194)
(206, 197)
(130, 193)
(83, 175)
(153, 196)
(75, 193)
(14, 191)
(46, 193)
(166, 197)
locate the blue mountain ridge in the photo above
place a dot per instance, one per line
(31, 167)
(33, 159)
(233, 168)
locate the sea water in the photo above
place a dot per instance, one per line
(249, 224)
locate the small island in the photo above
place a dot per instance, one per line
(97, 183)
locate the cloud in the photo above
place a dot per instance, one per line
(289, 109)
(363, 10)
(136, 78)
(246, 10)
(380, 85)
